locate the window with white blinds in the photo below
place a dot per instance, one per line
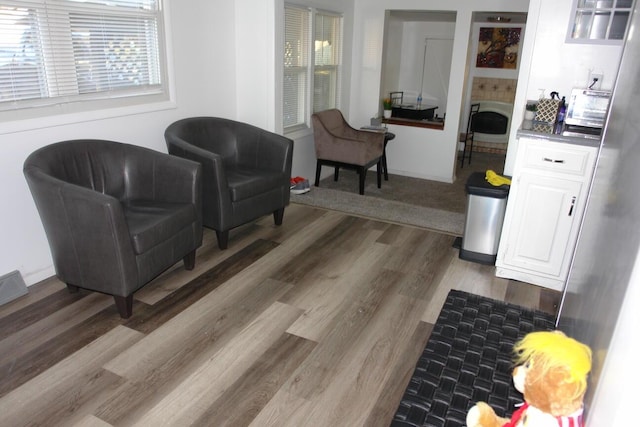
(63, 51)
(312, 64)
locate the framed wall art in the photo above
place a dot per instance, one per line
(498, 47)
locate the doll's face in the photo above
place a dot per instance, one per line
(551, 392)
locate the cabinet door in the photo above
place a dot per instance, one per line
(544, 212)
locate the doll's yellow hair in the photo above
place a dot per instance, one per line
(554, 349)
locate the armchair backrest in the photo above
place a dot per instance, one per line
(331, 121)
(212, 134)
(94, 164)
(237, 143)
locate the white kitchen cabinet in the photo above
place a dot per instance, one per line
(546, 202)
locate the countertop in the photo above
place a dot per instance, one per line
(429, 124)
(539, 130)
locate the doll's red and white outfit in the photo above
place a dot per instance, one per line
(519, 418)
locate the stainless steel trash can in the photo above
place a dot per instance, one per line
(486, 205)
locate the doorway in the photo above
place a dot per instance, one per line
(492, 70)
(417, 60)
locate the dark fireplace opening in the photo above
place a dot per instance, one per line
(489, 122)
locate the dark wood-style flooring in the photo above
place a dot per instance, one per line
(318, 322)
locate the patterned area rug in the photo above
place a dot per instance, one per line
(467, 359)
(405, 200)
(385, 210)
(416, 191)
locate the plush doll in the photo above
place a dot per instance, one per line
(551, 373)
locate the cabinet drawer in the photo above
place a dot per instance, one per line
(557, 159)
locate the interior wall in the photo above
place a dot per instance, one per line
(393, 38)
(255, 91)
(490, 83)
(410, 68)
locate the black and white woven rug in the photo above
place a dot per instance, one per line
(468, 358)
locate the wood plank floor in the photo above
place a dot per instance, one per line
(318, 322)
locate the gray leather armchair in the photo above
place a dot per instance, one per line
(115, 215)
(339, 145)
(246, 170)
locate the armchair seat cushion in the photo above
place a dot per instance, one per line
(245, 183)
(151, 222)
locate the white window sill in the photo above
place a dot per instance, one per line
(52, 119)
(299, 133)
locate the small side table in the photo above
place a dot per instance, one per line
(388, 136)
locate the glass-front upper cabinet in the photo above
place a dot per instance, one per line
(599, 21)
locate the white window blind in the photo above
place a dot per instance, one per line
(60, 51)
(312, 64)
(326, 74)
(297, 39)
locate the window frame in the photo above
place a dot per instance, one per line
(306, 99)
(595, 10)
(78, 107)
(336, 67)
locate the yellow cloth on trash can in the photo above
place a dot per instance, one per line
(495, 179)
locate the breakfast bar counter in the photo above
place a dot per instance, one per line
(429, 124)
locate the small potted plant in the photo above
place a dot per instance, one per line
(386, 106)
(530, 110)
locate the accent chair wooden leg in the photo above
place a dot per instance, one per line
(384, 164)
(190, 260)
(124, 305)
(72, 289)
(278, 216)
(318, 169)
(379, 172)
(223, 239)
(336, 173)
(362, 173)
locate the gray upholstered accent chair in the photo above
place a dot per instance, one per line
(341, 146)
(246, 170)
(115, 215)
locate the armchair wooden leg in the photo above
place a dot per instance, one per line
(190, 260)
(223, 239)
(464, 150)
(278, 216)
(318, 169)
(336, 173)
(379, 173)
(385, 170)
(362, 173)
(124, 305)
